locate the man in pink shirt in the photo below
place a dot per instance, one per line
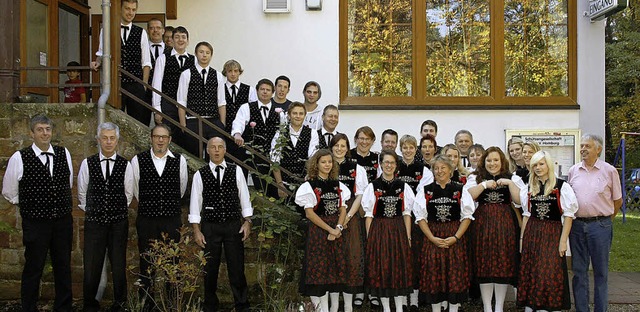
(597, 187)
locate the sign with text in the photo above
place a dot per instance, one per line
(601, 9)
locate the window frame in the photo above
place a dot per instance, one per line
(419, 98)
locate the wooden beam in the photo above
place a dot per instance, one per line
(171, 9)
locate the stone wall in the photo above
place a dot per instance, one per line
(75, 128)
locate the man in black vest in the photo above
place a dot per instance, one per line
(39, 180)
(255, 124)
(105, 190)
(330, 119)
(134, 58)
(201, 89)
(236, 94)
(166, 75)
(157, 47)
(159, 182)
(220, 212)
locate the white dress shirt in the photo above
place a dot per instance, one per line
(83, 180)
(152, 49)
(15, 170)
(195, 206)
(276, 154)
(244, 115)
(253, 96)
(159, 163)
(158, 75)
(144, 45)
(185, 79)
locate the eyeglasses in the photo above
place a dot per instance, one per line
(158, 137)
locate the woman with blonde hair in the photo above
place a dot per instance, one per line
(460, 172)
(549, 210)
(514, 153)
(528, 149)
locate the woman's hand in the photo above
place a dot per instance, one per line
(562, 248)
(504, 182)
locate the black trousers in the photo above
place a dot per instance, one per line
(101, 239)
(218, 236)
(192, 145)
(42, 237)
(150, 229)
(133, 108)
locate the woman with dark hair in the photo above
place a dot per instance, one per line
(354, 177)
(362, 153)
(549, 210)
(387, 203)
(460, 172)
(444, 264)
(324, 200)
(428, 149)
(475, 152)
(495, 231)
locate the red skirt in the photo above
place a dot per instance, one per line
(354, 239)
(324, 262)
(494, 244)
(543, 283)
(389, 262)
(444, 272)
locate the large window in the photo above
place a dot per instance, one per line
(458, 52)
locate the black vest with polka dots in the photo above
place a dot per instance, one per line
(242, 96)
(443, 205)
(170, 79)
(42, 196)
(547, 207)
(131, 54)
(261, 135)
(106, 202)
(220, 203)
(294, 158)
(389, 198)
(328, 195)
(203, 99)
(159, 195)
(167, 50)
(348, 173)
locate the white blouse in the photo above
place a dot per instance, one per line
(369, 200)
(568, 201)
(467, 199)
(420, 207)
(306, 198)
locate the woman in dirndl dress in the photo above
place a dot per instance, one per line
(444, 263)
(354, 177)
(549, 210)
(528, 149)
(324, 200)
(495, 231)
(460, 172)
(387, 204)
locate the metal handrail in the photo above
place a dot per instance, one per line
(199, 136)
(57, 85)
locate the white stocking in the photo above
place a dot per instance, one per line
(445, 304)
(454, 307)
(486, 291)
(324, 303)
(414, 297)
(335, 301)
(436, 307)
(528, 309)
(399, 301)
(501, 293)
(348, 302)
(386, 307)
(316, 303)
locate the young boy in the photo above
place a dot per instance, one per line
(236, 92)
(201, 90)
(74, 94)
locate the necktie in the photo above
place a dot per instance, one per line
(48, 163)
(204, 77)
(219, 174)
(233, 94)
(182, 58)
(124, 35)
(157, 46)
(329, 137)
(107, 172)
(465, 161)
(265, 112)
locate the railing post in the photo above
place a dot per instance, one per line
(624, 178)
(106, 60)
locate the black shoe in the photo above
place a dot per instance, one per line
(414, 308)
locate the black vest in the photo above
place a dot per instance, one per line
(170, 79)
(347, 174)
(294, 158)
(106, 202)
(159, 196)
(523, 173)
(260, 136)
(242, 96)
(43, 197)
(220, 203)
(410, 173)
(369, 163)
(328, 196)
(443, 205)
(203, 97)
(389, 198)
(499, 195)
(458, 178)
(547, 207)
(322, 140)
(167, 49)
(131, 54)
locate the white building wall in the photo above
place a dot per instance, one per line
(304, 46)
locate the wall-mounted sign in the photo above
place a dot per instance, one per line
(601, 9)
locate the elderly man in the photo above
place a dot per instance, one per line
(597, 187)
